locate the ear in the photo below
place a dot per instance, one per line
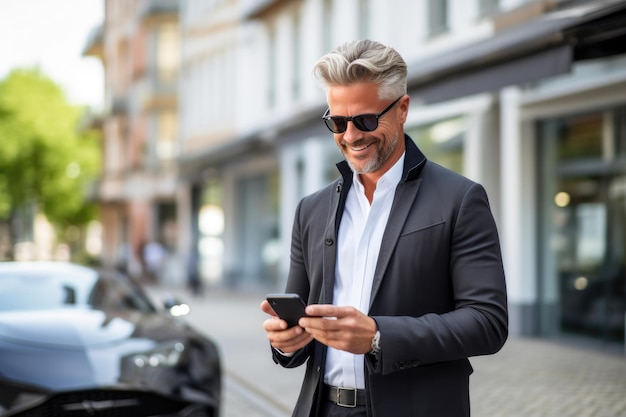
(403, 104)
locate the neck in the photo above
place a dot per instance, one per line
(369, 182)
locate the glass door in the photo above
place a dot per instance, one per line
(589, 227)
(583, 228)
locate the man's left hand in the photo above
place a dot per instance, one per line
(343, 328)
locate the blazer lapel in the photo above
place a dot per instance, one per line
(403, 200)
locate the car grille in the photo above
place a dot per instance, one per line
(110, 403)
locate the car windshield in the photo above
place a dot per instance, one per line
(47, 288)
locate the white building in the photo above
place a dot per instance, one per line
(526, 97)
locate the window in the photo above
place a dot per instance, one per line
(257, 231)
(488, 7)
(364, 19)
(167, 54)
(580, 137)
(327, 29)
(442, 142)
(437, 17)
(166, 137)
(211, 230)
(296, 43)
(620, 133)
(272, 56)
(582, 244)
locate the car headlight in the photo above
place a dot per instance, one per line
(23, 400)
(179, 310)
(164, 355)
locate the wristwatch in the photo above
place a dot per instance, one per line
(375, 344)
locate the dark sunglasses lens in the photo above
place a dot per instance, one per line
(366, 122)
(337, 124)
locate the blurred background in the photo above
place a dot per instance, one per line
(172, 139)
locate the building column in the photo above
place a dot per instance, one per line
(517, 228)
(301, 173)
(185, 224)
(313, 157)
(481, 147)
(289, 192)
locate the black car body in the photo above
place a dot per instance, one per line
(75, 341)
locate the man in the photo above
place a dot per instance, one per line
(399, 261)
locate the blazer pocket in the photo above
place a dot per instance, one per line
(430, 227)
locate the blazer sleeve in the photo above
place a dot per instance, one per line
(478, 322)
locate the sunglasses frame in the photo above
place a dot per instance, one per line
(356, 119)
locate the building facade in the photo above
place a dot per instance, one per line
(527, 97)
(139, 45)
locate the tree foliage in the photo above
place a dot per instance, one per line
(44, 158)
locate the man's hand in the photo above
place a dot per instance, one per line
(343, 328)
(288, 340)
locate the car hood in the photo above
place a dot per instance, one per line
(66, 328)
(75, 348)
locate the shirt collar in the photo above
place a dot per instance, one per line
(390, 179)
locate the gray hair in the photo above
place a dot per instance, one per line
(364, 61)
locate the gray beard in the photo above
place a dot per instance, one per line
(378, 160)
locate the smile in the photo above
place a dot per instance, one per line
(360, 148)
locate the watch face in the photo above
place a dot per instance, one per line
(376, 343)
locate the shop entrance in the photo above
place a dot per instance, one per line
(583, 226)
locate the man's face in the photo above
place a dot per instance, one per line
(369, 152)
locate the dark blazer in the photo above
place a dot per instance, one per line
(438, 295)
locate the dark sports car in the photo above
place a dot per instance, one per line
(75, 341)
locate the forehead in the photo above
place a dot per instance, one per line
(353, 97)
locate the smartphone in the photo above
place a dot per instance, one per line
(289, 307)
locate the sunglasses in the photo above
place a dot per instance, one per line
(365, 122)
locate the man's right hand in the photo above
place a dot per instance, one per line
(287, 340)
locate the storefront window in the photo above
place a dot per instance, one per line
(211, 232)
(442, 142)
(256, 230)
(580, 138)
(583, 227)
(253, 230)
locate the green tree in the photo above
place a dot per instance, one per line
(45, 159)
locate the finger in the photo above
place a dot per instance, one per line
(294, 344)
(318, 323)
(274, 324)
(267, 308)
(282, 332)
(292, 338)
(323, 310)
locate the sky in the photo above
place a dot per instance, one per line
(51, 35)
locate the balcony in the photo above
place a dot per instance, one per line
(152, 9)
(95, 43)
(253, 9)
(118, 106)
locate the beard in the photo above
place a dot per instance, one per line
(376, 162)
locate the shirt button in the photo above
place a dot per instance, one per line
(328, 242)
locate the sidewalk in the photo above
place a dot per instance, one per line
(527, 378)
(537, 378)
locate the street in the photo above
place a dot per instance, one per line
(527, 378)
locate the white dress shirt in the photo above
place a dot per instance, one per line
(360, 235)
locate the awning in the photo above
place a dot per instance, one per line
(545, 46)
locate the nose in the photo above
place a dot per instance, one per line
(352, 133)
